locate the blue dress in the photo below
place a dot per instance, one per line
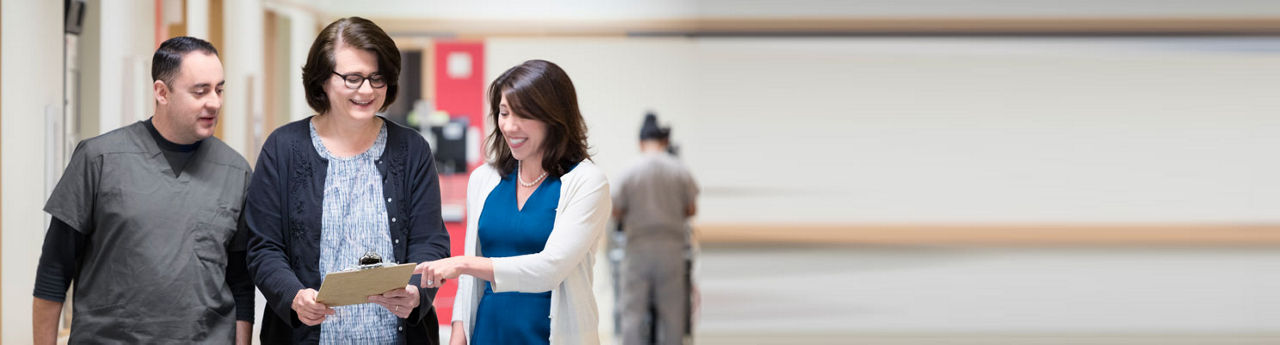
(505, 230)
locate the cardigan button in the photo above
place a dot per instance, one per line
(393, 219)
(397, 241)
(400, 329)
(388, 199)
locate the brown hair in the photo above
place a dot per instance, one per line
(358, 33)
(539, 90)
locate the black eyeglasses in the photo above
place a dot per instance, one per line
(355, 80)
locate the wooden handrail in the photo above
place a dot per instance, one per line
(995, 234)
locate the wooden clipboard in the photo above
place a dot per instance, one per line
(355, 287)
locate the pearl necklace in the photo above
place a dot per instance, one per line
(520, 176)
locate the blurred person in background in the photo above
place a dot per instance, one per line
(144, 221)
(535, 215)
(653, 200)
(335, 186)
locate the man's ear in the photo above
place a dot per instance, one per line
(161, 92)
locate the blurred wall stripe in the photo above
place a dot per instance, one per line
(994, 234)
(837, 26)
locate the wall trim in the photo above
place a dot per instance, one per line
(1225, 234)
(903, 26)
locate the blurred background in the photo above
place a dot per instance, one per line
(872, 172)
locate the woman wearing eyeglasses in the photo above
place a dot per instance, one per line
(330, 188)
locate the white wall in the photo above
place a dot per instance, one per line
(934, 130)
(32, 65)
(539, 9)
(302, 32)
(117, 60)
(197, 17)
(242, 59)
(675, 9)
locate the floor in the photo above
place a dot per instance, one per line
(914, 295)
(952, 295)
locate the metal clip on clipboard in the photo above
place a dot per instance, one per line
(371, 276)
(369, 260)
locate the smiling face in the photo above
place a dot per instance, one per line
(525, 136)
(187, 108)
(361, 103)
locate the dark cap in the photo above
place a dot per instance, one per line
(650, 130)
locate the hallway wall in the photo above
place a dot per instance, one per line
(32, 91)
(942, 130)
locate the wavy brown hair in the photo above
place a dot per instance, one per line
(539, 90)
(357, 33)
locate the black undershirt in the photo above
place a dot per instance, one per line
(176, 154)
(63, 250)
(60, 261)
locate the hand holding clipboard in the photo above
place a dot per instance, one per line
(372, 281)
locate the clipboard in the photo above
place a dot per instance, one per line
(355, 287)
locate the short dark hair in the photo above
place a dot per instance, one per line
(540, 90)
(358, 33)
(650, 130)
(167, 60)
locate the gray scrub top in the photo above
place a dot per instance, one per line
(655, 192)
(155, 263)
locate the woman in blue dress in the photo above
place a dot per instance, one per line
(535, 214)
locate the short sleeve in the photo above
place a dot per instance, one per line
(72, 200)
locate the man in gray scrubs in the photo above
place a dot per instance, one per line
(653, 200)
(145, 222)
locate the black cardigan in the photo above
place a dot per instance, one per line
(283, 214)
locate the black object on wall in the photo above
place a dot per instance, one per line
(451, 146)
(73, 16)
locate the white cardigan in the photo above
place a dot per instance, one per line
(563, 267)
